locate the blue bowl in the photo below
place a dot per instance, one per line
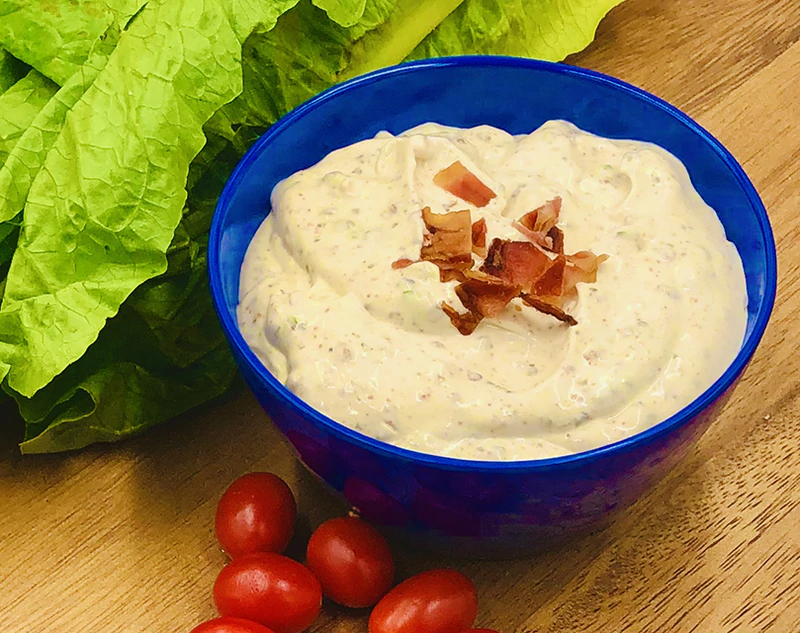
(474, 508)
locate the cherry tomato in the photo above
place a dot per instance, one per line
(437, 601)
(255, 514)
(352, 561)
(270, 589)
(230, 625)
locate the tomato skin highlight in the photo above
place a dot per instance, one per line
(230, 625)
(352, 561)
(255, 514)
(270, 589)
(437, 601)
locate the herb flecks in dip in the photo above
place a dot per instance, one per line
(370, 346)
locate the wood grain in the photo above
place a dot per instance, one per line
(120, 538)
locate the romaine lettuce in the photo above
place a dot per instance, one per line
(56, 38)
(19, 106)
(11, 70)
(106, 323)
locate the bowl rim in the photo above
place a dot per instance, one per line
(675, 421)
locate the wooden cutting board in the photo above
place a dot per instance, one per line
(120, 538)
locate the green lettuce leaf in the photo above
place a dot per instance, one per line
(9, 233)
(28, 155)
(19, 106)
(542, 29)
(162, 354)
(103, 209)
(57, 37)
(345, 13)
(11, 70)
(123, 386)
(307, 53)
(8, 242)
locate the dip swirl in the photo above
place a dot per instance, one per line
(369, 346)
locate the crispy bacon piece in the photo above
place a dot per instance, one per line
(581, 267)
(544, 218)
(556, 236)
(480, 275)
(536, 237)
(547, 308)
(464, 323)
(449, 235)
(479, 238)
(486, 298)
(447, 242)
(483, 295)
(403, 262)
(588, 263)
(539, 226)
(457, 273)
(551, 283)
(519, 263)
(462, 183)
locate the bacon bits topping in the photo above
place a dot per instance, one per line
(556, 236)
(479, 238)
(537, 271)
(548, 308)
(486, 297)
(544, 218)
(551, 283)
(403, 262)
(464, 323)
(518, 263)
(581, 267)
(539, 226)
(447, 242)
(462, 183)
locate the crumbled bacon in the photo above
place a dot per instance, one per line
(479, 238)
(547, 308)
(543, 218)
(462, 183)
(451, 273)
(486, 298)
(551, 283)
(464, 323)
(447, 242)
(510, 269)
(519, 263)
(588, 263)
(403, 262)
(539, 226)
(581, 267)
(449, 235)
(556, 236)
(534, 236)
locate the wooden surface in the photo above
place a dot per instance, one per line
(120, 538)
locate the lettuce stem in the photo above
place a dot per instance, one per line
(392, 42)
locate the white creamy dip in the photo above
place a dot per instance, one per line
(370, 347)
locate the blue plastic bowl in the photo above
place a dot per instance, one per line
(478, 508)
